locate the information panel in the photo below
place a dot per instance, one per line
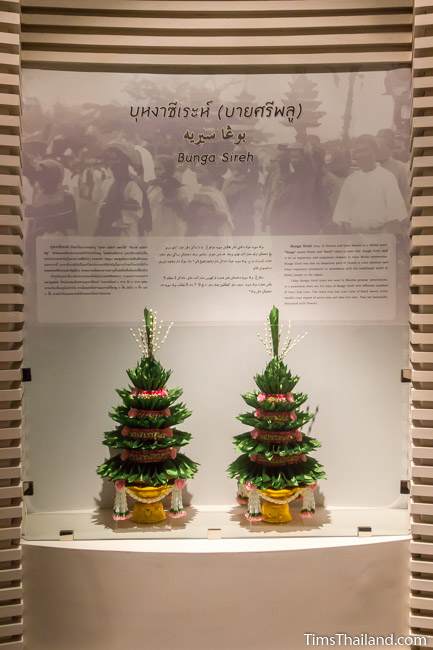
(232, 191)
(327, 277)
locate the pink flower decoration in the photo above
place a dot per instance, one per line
(132, 413)
(173, 452)
(177, 515)
(249, 486)
(253, 457)
(119, 485)
(122, 517)
(124, 455)
(180, 483)
(306, 514)
(293, 416)
(303, 458)
(290, 397)
(298, 435)
(261, 397)
(254, 434)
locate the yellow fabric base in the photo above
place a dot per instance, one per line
(276, 513)
(148, 513)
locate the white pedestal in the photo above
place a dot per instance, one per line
(229, 594)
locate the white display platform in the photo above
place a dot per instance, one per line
(207, 521)
(228, 594)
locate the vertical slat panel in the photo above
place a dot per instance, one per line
(11, 330)
(421, 321)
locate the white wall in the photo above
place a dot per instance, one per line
(351, 372)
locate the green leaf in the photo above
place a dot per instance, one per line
(274, 316)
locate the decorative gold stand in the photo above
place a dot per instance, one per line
(277, 513)
(145, 512)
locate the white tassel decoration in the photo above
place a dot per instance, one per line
(120, 508)
(308, 503)
(242, 494)
(254, 509)
(176, 509)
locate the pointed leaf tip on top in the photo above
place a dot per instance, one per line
(148, 321)
(274, 325)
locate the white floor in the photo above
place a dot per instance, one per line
(215, 522)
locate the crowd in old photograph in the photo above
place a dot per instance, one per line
(90, 171)
(301, 188)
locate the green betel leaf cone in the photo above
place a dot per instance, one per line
(275, 451)
(146, 442)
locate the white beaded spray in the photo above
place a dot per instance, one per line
(288, 343)
(150, 339)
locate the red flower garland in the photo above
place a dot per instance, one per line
(138, 392)
(277, 397)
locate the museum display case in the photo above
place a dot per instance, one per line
(158, 165)
(311, 216)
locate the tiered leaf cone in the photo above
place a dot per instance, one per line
(148, 466)
(275, 467)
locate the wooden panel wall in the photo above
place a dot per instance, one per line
(11, 329)
(421, 322)
(215, 36)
